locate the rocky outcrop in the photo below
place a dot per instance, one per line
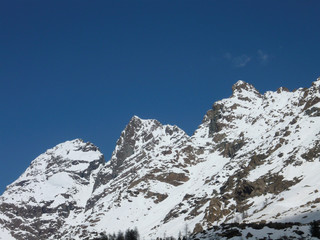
(214, 115)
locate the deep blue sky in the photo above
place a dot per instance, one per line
(81, 69)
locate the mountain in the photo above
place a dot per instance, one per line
(254, 159)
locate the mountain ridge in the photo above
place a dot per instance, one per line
(250, 157)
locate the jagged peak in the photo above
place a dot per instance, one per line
(137, 124)
(72, 145)
(137, 119)
(135, 129)
(71, 157)
(316, 84)
(282, 89)
(138, 127)
(241, 86)
(240, 82)
(139, 133)
(59, 157)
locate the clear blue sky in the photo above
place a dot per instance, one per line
(81, 69)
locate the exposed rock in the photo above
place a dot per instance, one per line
(311, 102)
(282, 89)
(233, 232)
(172, 178)
(158, 196)
(229, 149)
(214, 115)
(198, 228)
(313, 112)
(241, 86)
(215, 211)
(312, 153)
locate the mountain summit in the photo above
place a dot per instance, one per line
(242, 86)
(253, 160)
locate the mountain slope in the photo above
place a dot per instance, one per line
(254, 158)
(52, 191)
(272, 142)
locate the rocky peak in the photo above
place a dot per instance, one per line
(137, 129)
(140, 135)
(73, 158)
(65, 156)
(57, 183)
(316, 84)
(144, 147)
(282, 89)
(241, 87)
(138, 125)
(244, 96)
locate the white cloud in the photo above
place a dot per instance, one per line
(241, 61)
(238, 61)
(228, 56)
(263, 57)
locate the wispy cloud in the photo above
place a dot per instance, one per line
(241, 61)
(263, 57)
(238, 61)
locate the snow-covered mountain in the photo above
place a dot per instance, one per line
(255, 158)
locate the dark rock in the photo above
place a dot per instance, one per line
(92, 166)
(198, 228)
(256, 160)
(230, 233)
(241, 86)
(311, 102)
(312, 153)
(158, 196)
(229, 149)
(282, 89)
(215, 210)
(173, 178)
(249, 235)
(298, 232)
(313, 112)
(214, 115)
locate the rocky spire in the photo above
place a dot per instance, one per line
(316, 84)
(127, 141)
(241, 86)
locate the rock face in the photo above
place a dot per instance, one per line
(254, 158)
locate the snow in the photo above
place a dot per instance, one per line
(5, 235)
